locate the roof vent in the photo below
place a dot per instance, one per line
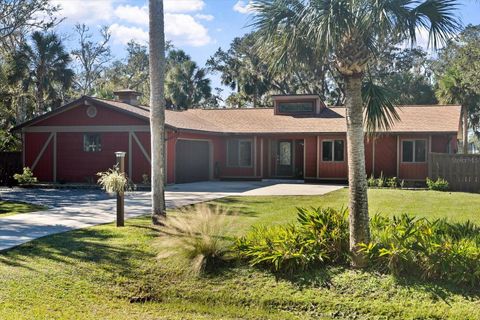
(127, 96)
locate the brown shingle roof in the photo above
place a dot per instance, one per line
(419, 118)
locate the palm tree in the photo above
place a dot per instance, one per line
(452, 90)
(186, 85)
(157, 108)
(43, 66)
(347, 34)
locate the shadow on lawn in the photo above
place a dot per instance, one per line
(324, 277)
(104, 248)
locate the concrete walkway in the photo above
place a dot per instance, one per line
(79, 208)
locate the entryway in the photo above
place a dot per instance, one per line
(288, 158)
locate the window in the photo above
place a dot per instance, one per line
(239, 153)
(92, 142)
(333, 150)
(414, 150)
(296, 107)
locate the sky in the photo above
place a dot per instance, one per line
(199, 27)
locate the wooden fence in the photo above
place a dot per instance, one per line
(462, 171)
(10, 163)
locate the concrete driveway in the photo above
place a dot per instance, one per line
(71, 209)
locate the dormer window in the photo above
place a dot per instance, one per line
(296, 107)
(308, 104)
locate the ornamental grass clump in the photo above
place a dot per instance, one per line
(319, 237)
(199, 234)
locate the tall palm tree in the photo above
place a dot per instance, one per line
(157, 108)
(43, 65)
(186, 85)
(347, 34)
(452, 90)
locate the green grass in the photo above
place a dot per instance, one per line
(8, 208)
(113, 273)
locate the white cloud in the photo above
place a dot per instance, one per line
(122, 34)
(184, 29)
(81, 11)
(243, 7)
(132, 14)
(206, 17)
(183, 5)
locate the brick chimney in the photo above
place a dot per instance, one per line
(127, 96)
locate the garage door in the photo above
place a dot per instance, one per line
(192, 161)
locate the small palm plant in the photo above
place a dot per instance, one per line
(199, 234)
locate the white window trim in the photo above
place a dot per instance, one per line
(238, 153)
(333, 150)
(414, 160)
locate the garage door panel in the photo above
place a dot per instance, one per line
(192, 161)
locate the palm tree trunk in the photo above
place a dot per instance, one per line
(357, 177)
(157, 108)
(465, 129)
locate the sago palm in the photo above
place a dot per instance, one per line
(346, 34)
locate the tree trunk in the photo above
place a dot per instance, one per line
(357, 177)
(157, 108)
(465, 129)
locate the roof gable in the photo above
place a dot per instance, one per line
(75, 113)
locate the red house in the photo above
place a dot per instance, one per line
(298, 138)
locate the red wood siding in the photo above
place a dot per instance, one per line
(77, 116)
(332, 169)
(412, 171)
(310, 170)
(76, 165)
(385, 156)
(34, 143)
(140, 164)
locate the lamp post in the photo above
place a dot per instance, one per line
(120, 195)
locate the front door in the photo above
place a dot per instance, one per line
(284, 158)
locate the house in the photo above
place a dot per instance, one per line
(299, 138)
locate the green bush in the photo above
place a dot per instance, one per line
(372, 182)
(381, 181)
(26, 177)
(401, 245)
(392, 182)
(321, 236)
(433, 249)
(438, 185)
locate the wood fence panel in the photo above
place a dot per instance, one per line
(10, 163)
(462, 171)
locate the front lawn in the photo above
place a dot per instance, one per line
(113, 273)
(8, 208)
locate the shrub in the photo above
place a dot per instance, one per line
(198, 234)
(321, 236)
(26, 177)
(381, 180)
(113, 181)
(433, 249)
(438, 185)
(392, 182)
(372, 182)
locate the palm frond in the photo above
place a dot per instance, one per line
(380, 112)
